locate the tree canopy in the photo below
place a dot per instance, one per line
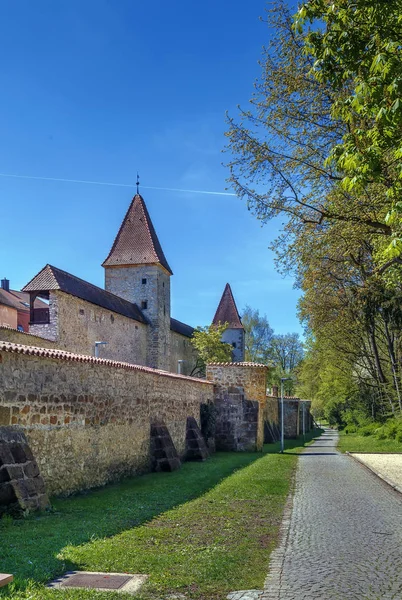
(319, 147)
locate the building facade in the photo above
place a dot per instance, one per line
(130, 317)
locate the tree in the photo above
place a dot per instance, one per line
(355, 48)
(210, 348)
(258, 335)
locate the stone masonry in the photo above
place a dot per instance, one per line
(88, 420)
(20, 481)
(240, 397)
(164, 456)
(126, 282)
(196, 447)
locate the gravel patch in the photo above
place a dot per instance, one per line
(387, 466)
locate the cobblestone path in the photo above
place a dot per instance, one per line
(341, 534)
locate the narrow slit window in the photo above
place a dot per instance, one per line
(144, 304)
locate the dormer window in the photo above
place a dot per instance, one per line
(144, 304)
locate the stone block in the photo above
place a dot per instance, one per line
(164, 456)
(7, 495)
(196, 448)
(5, 415)
(18, 453)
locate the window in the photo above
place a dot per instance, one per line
(234, 345)
(112, 318)
(144, 304)
(82, 311)
(144, 280)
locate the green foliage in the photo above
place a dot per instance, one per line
(355, 47)
(282, 353)
(258, 336)
(210, 348)
(356, 442)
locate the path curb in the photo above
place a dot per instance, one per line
(393, 485)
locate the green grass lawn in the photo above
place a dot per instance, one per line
(204, 530)
(352, 442)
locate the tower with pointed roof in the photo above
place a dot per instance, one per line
(136, 269)
(227, 313)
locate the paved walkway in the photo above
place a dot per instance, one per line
(342, 533)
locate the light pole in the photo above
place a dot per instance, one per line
(282, 415)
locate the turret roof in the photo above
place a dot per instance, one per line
(227, 311)
(136, 242)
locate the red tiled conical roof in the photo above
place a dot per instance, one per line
(136, 242)
(227, 311)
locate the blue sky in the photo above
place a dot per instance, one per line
(99, 89)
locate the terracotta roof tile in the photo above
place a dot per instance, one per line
(70, 356)
(18, 300)
(51, 278)
(136, 242)
(227, 311)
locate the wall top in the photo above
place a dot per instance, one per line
(237, 364)
(84, 358)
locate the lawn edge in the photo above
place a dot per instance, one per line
(390, 483)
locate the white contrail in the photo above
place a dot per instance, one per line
(146, 187)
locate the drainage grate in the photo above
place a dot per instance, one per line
(118, 582)
(96, 580)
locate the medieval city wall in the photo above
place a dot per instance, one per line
(181, 348)
(77, 324)
(7, 334)
(236, 385)
(88, 420)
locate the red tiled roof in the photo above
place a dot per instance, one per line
(227, 311)
(136, 242)
(236, 364)
(70, 356)
(51, 278)
(19, 300)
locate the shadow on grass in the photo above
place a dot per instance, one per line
(29, 547)
(296, 444)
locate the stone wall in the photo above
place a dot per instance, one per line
(235, 337)
(127, 282)
(76, 325)
(291, 417)
(181, 348)
(88, 420)
(20, 337)
(240, 379)
(271, 420)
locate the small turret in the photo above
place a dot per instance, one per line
(227, 313)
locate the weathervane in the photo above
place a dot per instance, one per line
(138, 183)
